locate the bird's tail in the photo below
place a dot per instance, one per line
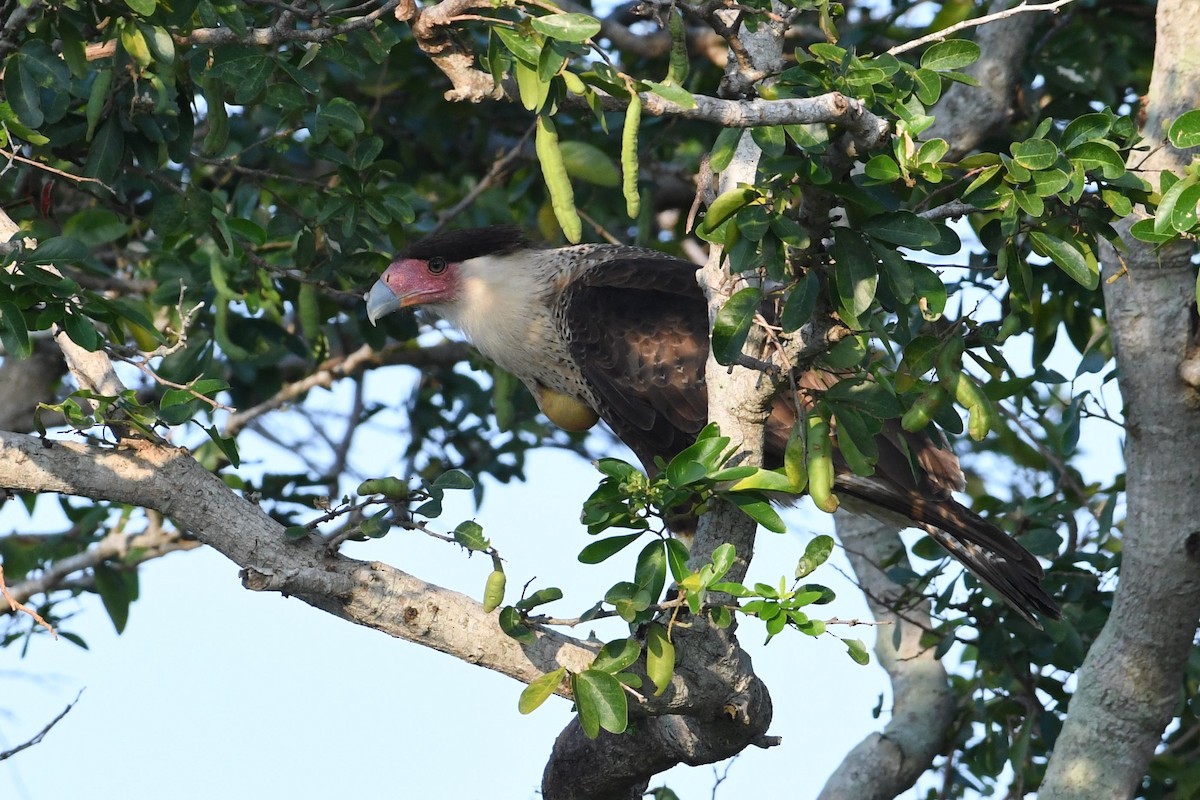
(991, 554)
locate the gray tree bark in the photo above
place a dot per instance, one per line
(1131, 681)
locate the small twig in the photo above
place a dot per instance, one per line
(14, 605)
(498, 168)
(42, 733)
(937, 36)
(37, 164)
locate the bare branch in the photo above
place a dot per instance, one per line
(938, 36)
(42, 733)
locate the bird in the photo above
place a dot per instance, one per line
(621, 334)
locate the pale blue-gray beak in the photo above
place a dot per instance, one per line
(381, 301)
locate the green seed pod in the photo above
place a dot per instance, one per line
(554, 171)
(922, 411)
(493, 591)
(820, 464)
(629, 155)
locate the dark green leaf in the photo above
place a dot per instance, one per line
(1067, 257)
(14, 332)
(1085, 129)
(733, 323)
(616, 655)
(651, 570)
(856, 272)
(759, 509)
(950, 54)
(598, 551)
(800, 302)
(513, 625)
(902, 228)
(601, 702)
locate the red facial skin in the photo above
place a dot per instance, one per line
(412, 282)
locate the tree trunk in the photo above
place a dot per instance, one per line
(1129, 685)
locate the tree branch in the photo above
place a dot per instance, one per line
(42, 733)
(372, 594)
(1129, 683)
(888, 762)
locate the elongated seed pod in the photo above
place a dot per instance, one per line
(554, 171)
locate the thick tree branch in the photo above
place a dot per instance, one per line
(1129, 685)
(887, 763)
(375, 595)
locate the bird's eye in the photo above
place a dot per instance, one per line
(436, 265)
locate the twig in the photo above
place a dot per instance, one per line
(77, 178)
(975, 23)
(497, 170)
(14, 605)
(42, 733)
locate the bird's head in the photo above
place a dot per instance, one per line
(431, 271)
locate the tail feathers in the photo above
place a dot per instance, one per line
(991, 554)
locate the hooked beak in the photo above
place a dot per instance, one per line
(381, 301)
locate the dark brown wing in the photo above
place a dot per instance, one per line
(638, 329)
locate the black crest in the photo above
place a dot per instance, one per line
(466, 244)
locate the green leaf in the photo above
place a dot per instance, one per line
(902, 228)
(931, 290)
(513, 625)
(1067, 257)
(526, 48)
(1097, 157)
(453, 479)
(765, 480)
(800, 302)
(1183, 217)
(1085, 129)
(1035, 154)
(601, 702)
(539, 598)
(1185, 130)
(588, 163)
(882, 168)
(143, 7)
(816, 553)
(950, 54)
(733, 323)
(650, 573)
(770, 139)
(759, 509)
(540, 689)
(628, 599)
(117, 589)
(677, 558)
(567, 27)
(673, 92)
(226, 444)
(857, 651)
(1143, 230)
(617, 655)
(14, 332)
(723, 558)
(660, 657)
(596, 552)
(856, 272)
(724, 148)
(469, 534)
